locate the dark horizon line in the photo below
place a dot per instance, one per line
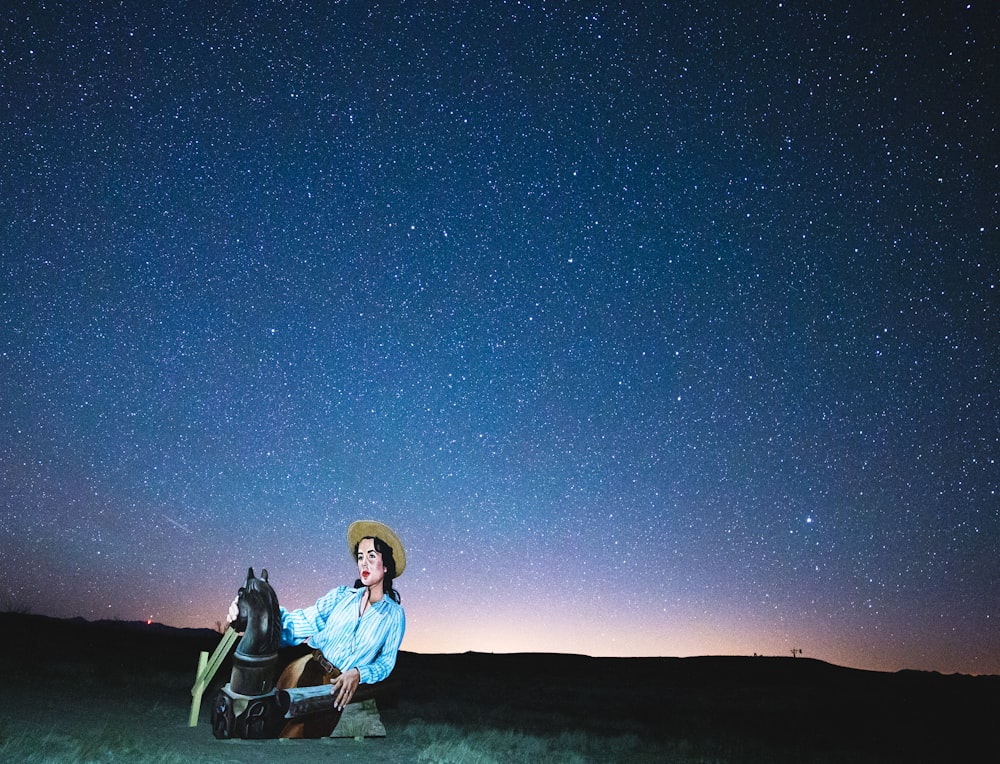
(205, 631)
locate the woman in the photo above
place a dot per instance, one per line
(355, 631)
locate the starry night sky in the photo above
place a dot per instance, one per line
(652, 328)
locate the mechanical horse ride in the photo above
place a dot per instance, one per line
(249, 706)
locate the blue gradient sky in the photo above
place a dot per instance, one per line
(652, 329)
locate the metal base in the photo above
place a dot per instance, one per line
(251, 717)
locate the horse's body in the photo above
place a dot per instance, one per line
(248, 707)
(259, 619)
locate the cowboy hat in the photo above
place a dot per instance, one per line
(364, 528)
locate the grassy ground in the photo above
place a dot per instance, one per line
(120, 693)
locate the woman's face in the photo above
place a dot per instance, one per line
(371, 569)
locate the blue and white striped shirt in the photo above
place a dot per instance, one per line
(368, 643)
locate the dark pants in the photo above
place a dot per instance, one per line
(308, 672)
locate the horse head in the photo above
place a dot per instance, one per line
(259, 617)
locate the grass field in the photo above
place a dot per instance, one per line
(80, 692)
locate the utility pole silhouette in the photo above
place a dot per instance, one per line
(796, 651)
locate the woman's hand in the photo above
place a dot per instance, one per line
(234, 611)
(344, 687)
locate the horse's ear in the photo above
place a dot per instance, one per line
(249, 574)
(263, 573)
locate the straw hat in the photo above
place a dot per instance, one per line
(363, 528)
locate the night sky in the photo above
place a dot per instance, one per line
(653, 328)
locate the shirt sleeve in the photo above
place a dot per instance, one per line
(298, 625)
(383, 665)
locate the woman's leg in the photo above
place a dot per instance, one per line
(306, 672)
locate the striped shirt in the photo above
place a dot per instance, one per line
(332, 625)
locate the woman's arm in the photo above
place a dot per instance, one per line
(298, 625)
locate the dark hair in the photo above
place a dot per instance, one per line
(390, 566)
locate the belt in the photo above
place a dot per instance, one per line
(328, 667)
